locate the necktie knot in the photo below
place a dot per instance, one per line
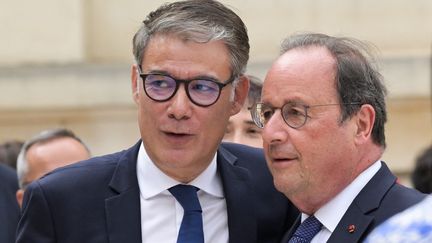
(306, 231)
(186, 195)
(191, 228)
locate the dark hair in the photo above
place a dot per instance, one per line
(9, 152)
(357, 78)
(200, 21)
(422, 174)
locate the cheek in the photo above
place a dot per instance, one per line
(256, 143)
(150, 115)
(215, 127)
(329, 152)
(217, 114)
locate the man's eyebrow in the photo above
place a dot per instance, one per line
(163, 72)
(207, 77)
(294, 101)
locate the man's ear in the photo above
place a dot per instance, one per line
(19, 196)
(135, 85)
(241, 93)
(365, 120)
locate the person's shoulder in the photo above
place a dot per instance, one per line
(241, 150)
(396, 199)
(7, 172)
(405, 194)
(247, 157)
(103, 161)
(394, 193)
(91, 170)
(411, 225)
(9, 177)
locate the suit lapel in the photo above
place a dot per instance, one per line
(291, 231)
(354, 225)
(239, 198)
(123, 209)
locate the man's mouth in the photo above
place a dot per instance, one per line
(281, 159)
(177, 134)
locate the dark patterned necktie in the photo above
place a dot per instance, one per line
(306, 231)
(191, 228)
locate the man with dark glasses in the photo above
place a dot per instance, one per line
(178, 183)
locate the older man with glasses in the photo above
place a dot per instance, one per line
(323, 112)
(46, 151)
(178, 183)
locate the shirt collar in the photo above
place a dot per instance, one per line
(332, 212)
(152, 181)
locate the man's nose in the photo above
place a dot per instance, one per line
(275, 130)
(180, 106)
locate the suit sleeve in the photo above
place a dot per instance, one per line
(36, 224)
(9, 210)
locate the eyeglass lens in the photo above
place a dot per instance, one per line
(294, 115)
(201, 92)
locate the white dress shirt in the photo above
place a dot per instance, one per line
(161, 214)
(332, 212)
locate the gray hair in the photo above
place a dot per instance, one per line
(357, 77)
(42, 137)
(200, 21)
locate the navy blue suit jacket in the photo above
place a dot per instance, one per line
(98, 200)
(9, 209)
(381, 198)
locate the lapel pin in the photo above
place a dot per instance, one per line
(351, 228)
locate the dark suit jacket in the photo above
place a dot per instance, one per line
(9, 209)
(381, 198)
(98, 200)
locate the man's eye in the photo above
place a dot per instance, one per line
(201, 87)
(267, 114)
(293, 111)
(204, 86)
(254, 131)
(159, 84)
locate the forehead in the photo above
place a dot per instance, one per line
(186, 59)
(56, 150)
(302, 74)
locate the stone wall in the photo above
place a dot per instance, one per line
(67, 63)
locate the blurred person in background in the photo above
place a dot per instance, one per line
(9, 210)
(9, 151)
(413, 225)
(48, 150)
(422, 174)
(241, 128)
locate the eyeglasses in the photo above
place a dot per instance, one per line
(202, 92)
(295, 115)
